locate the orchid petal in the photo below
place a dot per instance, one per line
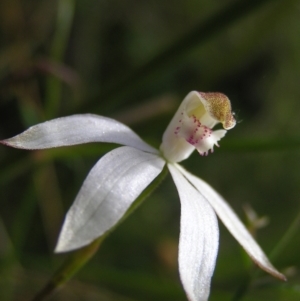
(199, 239)
(111, 187)
(77, 129)
(233, 224)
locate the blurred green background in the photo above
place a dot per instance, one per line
(135, 61)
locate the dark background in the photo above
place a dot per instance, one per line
(135, 61)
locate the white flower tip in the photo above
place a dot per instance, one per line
(64, 245)
(13, 142)
(60, 249)
(268, 267)
(69, 241)
(7, 142)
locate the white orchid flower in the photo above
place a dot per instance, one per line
(121, 175)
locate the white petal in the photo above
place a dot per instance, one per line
(77, 129)
(112, 185)
(199, 239)
(233, 224)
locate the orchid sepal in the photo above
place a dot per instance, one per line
(199, 239)
(77, 129)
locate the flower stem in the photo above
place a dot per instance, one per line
(73, 264)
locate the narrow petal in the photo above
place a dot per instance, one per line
(233, 224)
(77, 129)
(199, 239)
(112, 185)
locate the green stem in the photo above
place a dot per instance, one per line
(73, 263)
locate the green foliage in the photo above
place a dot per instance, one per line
(134, 61)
